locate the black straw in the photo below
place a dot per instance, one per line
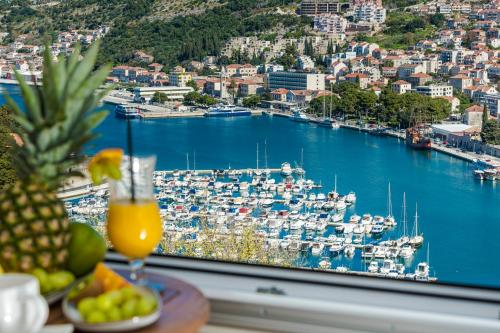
(130, 150)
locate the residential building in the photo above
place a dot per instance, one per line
(359, 79)
(435, 90)
(251, 88)
(460, 82)
(406, 70)
(299, 97)
(296, 81)
(492, 102)
(419, 79)
(330, 23)
(401, 87)
(369, 12)
(279, 94)
(473, 116)
(315, 7)
(179, 78)
(305, 63)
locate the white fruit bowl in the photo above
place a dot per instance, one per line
(134, 323)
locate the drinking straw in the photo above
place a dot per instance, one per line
(130, 151)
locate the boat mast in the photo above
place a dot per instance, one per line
(324, 106)
(404, 213)
(389, 201)
(416, 219)
(331, 100)
(265, 153)
(194, 160)
(257, 156)
(302, 158)
(187, 161)
(335, 187)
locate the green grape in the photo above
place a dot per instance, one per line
(115, 296)
(114, 314)
(104, 302)
(146, 305)
(128, 293)
(128, 308)
(86, 306)
(60, 280)
(43, 280)
(95, 317)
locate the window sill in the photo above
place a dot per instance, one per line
(347, 303)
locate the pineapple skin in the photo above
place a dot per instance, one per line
(34, 228)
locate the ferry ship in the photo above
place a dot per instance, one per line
(415, 138)
(299, 117)
(228, 111)
(127, 111)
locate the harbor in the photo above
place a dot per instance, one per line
(457, 211)
(289, 212)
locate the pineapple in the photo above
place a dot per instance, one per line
(58, 120)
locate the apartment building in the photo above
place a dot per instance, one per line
(330, 23)
(315, 7)
(179, 78)
(435, 90)
(296, 81)
(369, 12)
(460, 82)
(401, 87)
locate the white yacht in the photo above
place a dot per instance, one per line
(387, 266)
(373, 267)
(317, 248)
(286, 169)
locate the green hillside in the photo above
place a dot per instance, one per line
(171, 30)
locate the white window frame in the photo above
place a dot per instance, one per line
(298, 300)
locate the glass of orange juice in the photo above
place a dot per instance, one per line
(134, 224)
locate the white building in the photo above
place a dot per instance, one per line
(435, 90)
(296, 81)
(330, 23)
(369, 12)
(305, 63)
(144, 94)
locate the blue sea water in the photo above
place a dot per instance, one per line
(459, 216)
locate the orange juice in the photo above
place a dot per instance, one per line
(134, 228)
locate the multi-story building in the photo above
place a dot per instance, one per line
(473, 116)
(315, 7)
(179, 78)
(305, 63)
(359, 79)
(330, 23)
(401, 87)
(296, 81)
(460, 82)
(407, 70)
(493, 104)
(418, 79)
(369, 12)
(435, 90)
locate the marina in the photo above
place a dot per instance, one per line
(288, 212)
(456, 212)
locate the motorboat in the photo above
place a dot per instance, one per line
(286, 169)
(373, 267)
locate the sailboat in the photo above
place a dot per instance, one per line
(194, 163)
(417, 238)
(257, 170)
(328, 121)
(422, 270)
(389, 220)
(267, 171)
(404, 238)
(299, 170)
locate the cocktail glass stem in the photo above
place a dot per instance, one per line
(137, 273)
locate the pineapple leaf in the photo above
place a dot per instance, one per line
(30, 99)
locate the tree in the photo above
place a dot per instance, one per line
(491, 132)
(251, 101)
(7, 144)
(232, 88)
(192, 84)
(159, 97)
(485, 117)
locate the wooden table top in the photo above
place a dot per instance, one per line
(185, 309)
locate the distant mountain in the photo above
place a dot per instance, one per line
(170, 30)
